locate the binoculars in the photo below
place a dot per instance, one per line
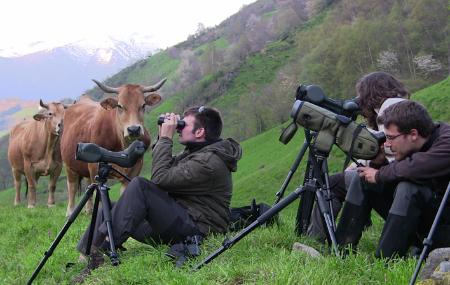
(180, 123)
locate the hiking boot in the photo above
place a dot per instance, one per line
(95, 261)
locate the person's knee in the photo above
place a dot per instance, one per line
(137, 184)
(408, 190)
(409, 196)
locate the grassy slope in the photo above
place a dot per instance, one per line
(262, 257)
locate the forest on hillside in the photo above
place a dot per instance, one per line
(250, 65)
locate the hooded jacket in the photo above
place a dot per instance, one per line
(199, 180)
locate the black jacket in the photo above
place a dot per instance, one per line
(430, 165)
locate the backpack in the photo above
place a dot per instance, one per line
(242, 217)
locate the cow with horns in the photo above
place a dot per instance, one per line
(34, 151)
(113, 124)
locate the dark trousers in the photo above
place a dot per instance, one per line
(145, 213)
(407, 208)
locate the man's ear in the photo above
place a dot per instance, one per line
(200, 132)
(152, 99)
(40, 116)
(109, 103)
(414, 133)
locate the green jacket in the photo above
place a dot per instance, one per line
(200, 181)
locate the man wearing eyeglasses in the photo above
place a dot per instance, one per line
(188, 194)
(406, 192)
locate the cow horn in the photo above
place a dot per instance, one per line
(154, 87)
(106, 88)
(42, 104)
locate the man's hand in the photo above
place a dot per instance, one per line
(169, 127)
(368, 173)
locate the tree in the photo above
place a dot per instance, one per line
(388, 60)
(426, 64)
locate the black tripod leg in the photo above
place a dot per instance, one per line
(305, 208)
(92, 226)
(428, 241)
(294, 167)
(329, 222)
(330, 200)
(70, 220)
(106, 206)
(259, 221)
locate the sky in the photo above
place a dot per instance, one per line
(51, 22)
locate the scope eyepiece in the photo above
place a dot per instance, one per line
(90, 152)
(180, 123)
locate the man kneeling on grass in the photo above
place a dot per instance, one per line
(406, 192)
(188, 194)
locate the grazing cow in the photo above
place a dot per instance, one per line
(34, 151)
(113, 124)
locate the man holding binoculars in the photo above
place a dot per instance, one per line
(188, 194)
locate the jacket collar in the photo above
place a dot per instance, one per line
(196, 146)
(434, 134)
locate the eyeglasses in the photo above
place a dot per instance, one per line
(201, 109)
(391, 138)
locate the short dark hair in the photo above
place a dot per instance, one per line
(207, 118)
(408, 115)
(373, 89)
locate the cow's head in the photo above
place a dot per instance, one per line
(53, 114)
(130, 104)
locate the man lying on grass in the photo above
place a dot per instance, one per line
(406, 192)
(188, 194)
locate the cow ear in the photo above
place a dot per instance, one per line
(109, 103)
(40, 117)
(152, 99)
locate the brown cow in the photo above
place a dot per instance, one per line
(34, 151)
(112, 124)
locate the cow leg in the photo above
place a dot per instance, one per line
(72, 187)
(17, 184)
(52, 186)
(31, 179)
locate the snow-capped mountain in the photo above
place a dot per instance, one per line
(55, 72)
(104, 50)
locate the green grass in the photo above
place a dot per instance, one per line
(262, 257)
(155, 68)
(436, 99)
(220, 43)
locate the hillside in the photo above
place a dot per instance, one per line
(250, 65)
(263, 256)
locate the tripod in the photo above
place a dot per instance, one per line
(315, 186)
(104, 170)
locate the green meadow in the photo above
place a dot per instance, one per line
(262, 257)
